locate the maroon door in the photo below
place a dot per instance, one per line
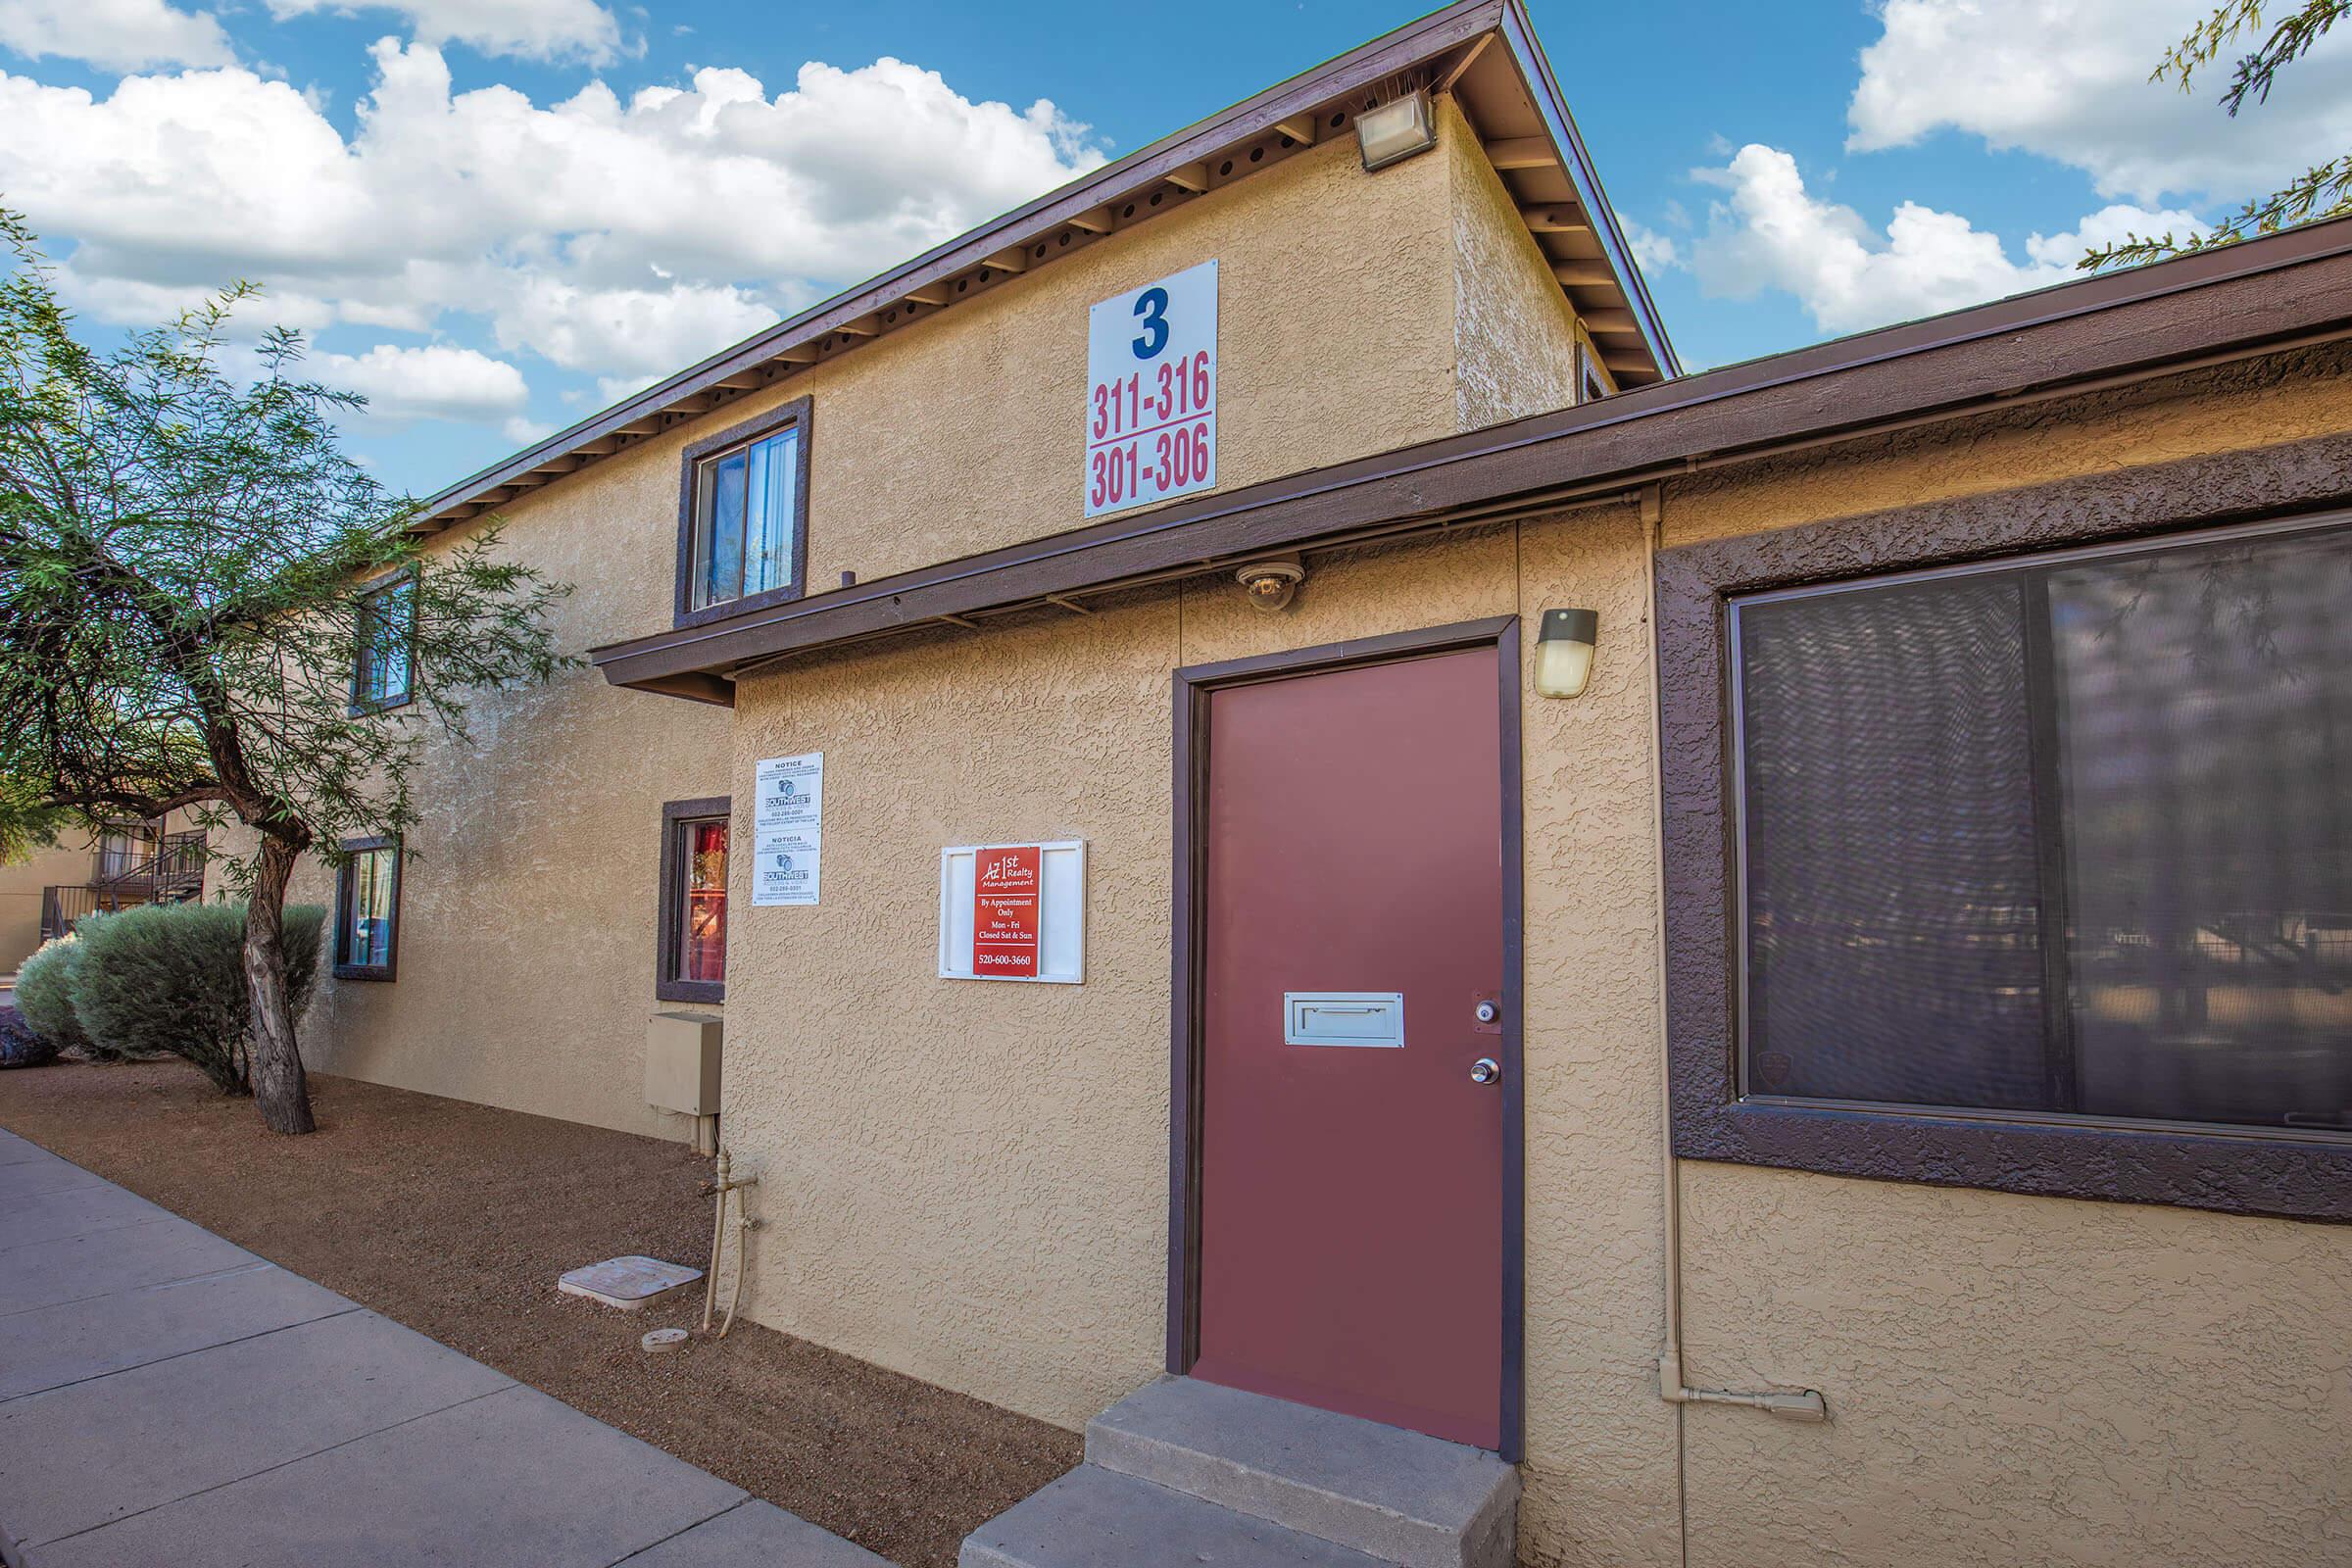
(1351, 1204)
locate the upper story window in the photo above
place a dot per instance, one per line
(743, 512)
(384, 663)
(2065, 837)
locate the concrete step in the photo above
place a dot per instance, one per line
(1098, 1518)
(1396, 1496)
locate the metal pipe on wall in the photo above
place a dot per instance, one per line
(1804, 1405)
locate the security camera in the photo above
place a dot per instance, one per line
(1272, 584)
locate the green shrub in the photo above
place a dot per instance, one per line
(170, 977)
(45, 994)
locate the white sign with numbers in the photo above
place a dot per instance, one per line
(1152, 392)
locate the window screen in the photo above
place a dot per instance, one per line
(2065, 837)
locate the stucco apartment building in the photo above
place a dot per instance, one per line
(1265, 790)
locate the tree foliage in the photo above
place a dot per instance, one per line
(2325, 190)
(184, 549)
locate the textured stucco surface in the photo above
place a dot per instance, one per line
(968, 431)
(530, 892)
(967, 1181)
(972, 1188)
(1515, 344)
(2227, 408)
(2015, 1380)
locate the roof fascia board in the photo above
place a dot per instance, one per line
(1416, 41)
(2280, 287)
(1535, 69)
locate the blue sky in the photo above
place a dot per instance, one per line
(496, 216)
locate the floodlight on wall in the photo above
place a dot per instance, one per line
(1395, 131)
(1564, 652)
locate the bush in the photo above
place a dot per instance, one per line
(45, 994)
(20, 1044)
(170, 977)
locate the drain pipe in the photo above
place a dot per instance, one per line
(1806, 1405)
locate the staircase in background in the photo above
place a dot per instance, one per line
(127, 871)
(1183, 1474)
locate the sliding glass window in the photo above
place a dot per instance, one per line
(2065, 837)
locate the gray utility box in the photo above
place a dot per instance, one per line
(681, 1062)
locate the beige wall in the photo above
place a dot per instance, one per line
(527, 932)
(968, 1182)
(20, 886)
(525, 961)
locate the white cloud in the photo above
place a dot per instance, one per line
(643, 333)
(542, 29)
(623, 238)
(435, 381)
(1768, 232)
(1649, 247)
(2068, 79)
(114, 34)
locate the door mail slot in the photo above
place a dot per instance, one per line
(1342, 1019)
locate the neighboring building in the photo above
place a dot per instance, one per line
(129, 864)
(1951, 830)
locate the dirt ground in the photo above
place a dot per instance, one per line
(455, 1219)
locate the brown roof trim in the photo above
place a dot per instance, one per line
(2263, 291)
(1442, 35)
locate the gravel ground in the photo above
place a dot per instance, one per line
(455, 1219)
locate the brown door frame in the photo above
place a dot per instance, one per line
(1192, 685)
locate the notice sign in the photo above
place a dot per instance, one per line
(1152, 392)
(788, 817)
(1004, 924)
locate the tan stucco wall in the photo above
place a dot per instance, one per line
(20, 886)
(529, 890)
(1514, 344)
(526, 931)
(968, 1182)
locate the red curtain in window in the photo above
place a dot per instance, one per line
(706, 926)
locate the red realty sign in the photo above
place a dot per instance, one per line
(1004, 918)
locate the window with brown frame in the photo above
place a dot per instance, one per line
(367, 939)
(742, 515)
(384, 642)
(691, 964)
(2029, 872)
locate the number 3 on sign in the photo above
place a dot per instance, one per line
(1152, 392)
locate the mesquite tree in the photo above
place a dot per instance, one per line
(2324, 190)
(186, 555)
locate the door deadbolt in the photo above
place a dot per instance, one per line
(1486, 1012)
(1486, 1070)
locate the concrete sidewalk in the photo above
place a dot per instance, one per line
(169, 1397)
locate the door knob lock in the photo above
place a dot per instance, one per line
(1486, 1070)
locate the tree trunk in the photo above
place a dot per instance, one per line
(279, 1091)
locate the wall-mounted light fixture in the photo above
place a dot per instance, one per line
(1564, 652)
(1395, 131)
